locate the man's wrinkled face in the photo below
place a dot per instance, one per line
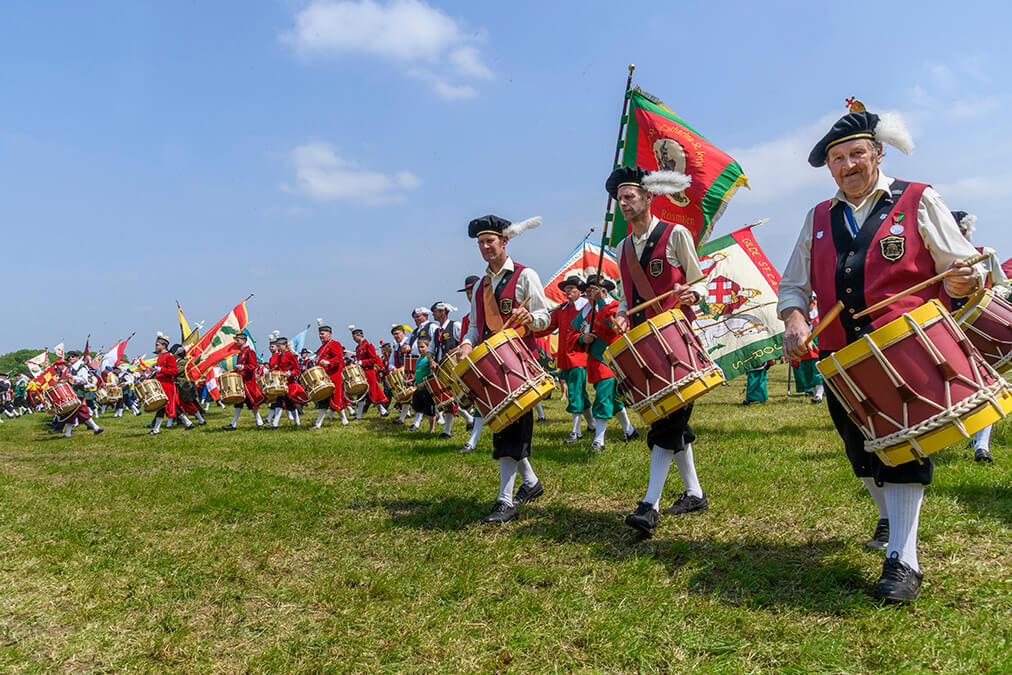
(854, 166)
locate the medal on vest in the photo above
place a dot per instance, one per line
(893, 247)
(655, 267)
(505, 305)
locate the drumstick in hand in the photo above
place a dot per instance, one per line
(509, 321)
(824, 321)
(657, 298)
(980, 257)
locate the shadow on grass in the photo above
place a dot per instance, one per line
(806, 575)
(450, 514)
(990, 501)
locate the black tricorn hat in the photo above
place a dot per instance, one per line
(469, 283)
(624, 175)
(571, 280)
(604, 282)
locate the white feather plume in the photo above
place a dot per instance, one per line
(351, 327)
(276, 334)
(319, 321)
(667, 182)
(162, 335)
(892, 130)
(968, 225)
(516, 229)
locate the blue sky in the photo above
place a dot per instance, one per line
(328, 155)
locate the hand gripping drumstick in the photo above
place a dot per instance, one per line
(509, 321)
(833, 312)
(980, 257)
(657, 298)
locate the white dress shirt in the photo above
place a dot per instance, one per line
(528, 286)
(680, 252)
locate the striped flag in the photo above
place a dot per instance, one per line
(216, 344)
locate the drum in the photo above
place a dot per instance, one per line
(61, 400)
(446, 375)
(987, 321)
(318, 385)
(114, 392)
(230, 389)
(662, 366)
(916, 385)
(400, 386)
(410, 362)
(101, 395)
(273, 384)
(441, 395)
(504, 379)
(152, 395)
(354, 380)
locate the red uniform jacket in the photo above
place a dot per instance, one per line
(562, 321)
(366, 355)
(288, 361)
(605, 333)
(247, 358)
(333, 352)
(166, 376)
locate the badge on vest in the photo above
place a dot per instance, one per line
(655, 267)
(505, 305)
(892, 247)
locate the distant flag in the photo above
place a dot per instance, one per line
(38, 363)
(216, 344)
(187, 335)
(737, 321)
(212, 383)
(299, 341)
(581, 262)
(87, 341)
(58, 350)
(114, 355)
(656, 138)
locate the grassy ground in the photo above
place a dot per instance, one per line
(359, 549)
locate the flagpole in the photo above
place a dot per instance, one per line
(618, 148)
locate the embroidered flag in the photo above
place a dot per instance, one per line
(658, 139)
(38, 363)
(216, 344)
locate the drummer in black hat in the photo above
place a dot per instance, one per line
(508, 292)
(876, 237)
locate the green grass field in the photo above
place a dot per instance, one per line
(359, 549)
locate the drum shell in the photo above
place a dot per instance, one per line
(114, 393)
(504, 379)
(441, 395)
(662, 366)
(399, 385)
(445, 373)
(318, 385)
(410, 363)
(353, 377)
(101, 395)
(273, 385)
(61, 400)
(152, 395)
(906, 405)
(987, 321)
(231, 389)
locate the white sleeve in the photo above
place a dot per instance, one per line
(682, 252)
(529, 286)
(796, 283)
(941, 235)
(473, 336)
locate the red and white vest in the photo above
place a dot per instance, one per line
(660, 274)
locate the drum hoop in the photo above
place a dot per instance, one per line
(509, 400)
(676, 386)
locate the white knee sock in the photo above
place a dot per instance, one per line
(904, 504)
(660, 464)
(291, 415)
(982, 439)
(476, 431)
(507, 473)
(539, 410)
(818, 391)
(344, 419)
(276, 417)
(623, 418)
(468, 418)
(67, 428)
(527, 475)
(404, 413)
(687, 468)
(185, 420)
(200, 418)
(158, 423)
(319, 419)
(576, 423)
(235, 416)
(878, 494)
(600, 426)
(260, 420)
(361, 409)
(587, 415)
(383, 410)
(91, 425)
(330, 413)
(447, 423)
(418, 419)
(297, 418)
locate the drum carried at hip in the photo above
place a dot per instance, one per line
(400, 386)
(916, 385)
(987, 321)
(273, 384)
(355, 384)
(152, 395)
(504, 378)
(317, 383)
(662, 366)
(230, 389)
(114, 393)
(61, 400)
(446, 374)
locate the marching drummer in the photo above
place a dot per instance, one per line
(286, 362)
(330, 356)
(77, 377)
(448, 336)
(876, 237)
(508, 292)
(166, 369)
(370, 361)
(247, 364)
(401, 346)
(655, 258)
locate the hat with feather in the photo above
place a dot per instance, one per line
(163, 338)
(500, 226)
(859, 123)
(655, 182)
(322, 326)
(967, 223)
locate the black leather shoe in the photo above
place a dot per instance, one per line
(631, 436)
(501, 513)
(982, 455)
(898, 583)
(228, 427)
(526, 494)
(573, 437)
(880, 539)
(687, 504)
(98, 431)
(644, 519)
(444, 435)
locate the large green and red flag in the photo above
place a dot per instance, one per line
(216, 344)
(658, 139)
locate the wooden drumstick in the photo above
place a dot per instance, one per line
(509, 321)
(980, 257)
(824, 321)
(657, 298)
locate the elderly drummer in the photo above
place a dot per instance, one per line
(507, 293)
(654, 259)
(876, 237)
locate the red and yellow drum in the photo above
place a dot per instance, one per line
(61, 400)
(504, 379)
(447, 375)
(916, 385)
(987, 321)
(662, 365)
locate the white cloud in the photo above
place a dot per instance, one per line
(409, 33)
(975, 188)
(321, 174)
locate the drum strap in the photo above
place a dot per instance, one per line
(493, 319)
(639, 277)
